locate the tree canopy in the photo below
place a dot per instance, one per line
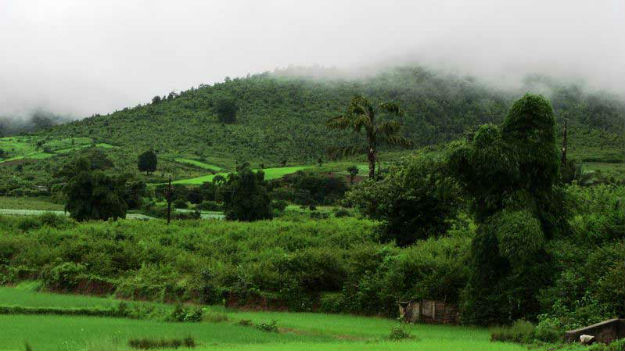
(147, 162)
(362, 115)
(511, 175)
(246, 197)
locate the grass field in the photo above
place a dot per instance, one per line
(28, 212)
(199, 164)
(270, 173)
(297, 331)
(32, 147)
(29, 203)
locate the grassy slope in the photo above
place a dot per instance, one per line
(26, 147)
(284, 117)
(270, 173)
(199, 164)
(299, 331)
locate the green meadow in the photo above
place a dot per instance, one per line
(296, 331)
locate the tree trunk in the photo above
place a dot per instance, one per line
(371, 159)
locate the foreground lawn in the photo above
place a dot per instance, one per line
(297, 331)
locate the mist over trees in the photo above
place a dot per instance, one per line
(33, 122)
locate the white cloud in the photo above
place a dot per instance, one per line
(85, 57)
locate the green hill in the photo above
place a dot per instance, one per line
(281, 118)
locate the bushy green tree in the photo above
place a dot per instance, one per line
(246, 197)
(415, 201)
(226, 109)
(362, 115)
(511, 175)
(92, 194)
(147, 162)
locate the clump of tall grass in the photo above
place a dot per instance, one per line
(146, 344)
(399, 333)
(271, 327)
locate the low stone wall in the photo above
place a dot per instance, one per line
(604, 332)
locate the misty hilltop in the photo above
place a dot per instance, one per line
(282, 115)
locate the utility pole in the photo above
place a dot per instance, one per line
(168, 196)
(563, 157)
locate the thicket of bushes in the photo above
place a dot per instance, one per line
(295, 264)
(334, 265)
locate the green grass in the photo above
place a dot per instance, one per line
(199, 164)
(270, 173)
(29, 203)
(26, 147)
(298, 331)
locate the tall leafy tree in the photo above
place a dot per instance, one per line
(147, 162)
(414, 202)
(245, 195)
(363, 115)
(226, 109)
(512, 175)
(92, 194)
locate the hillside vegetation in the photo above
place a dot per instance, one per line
(280, 120)
(282, 117)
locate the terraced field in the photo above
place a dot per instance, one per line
(32, 147)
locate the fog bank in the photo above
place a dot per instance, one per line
(79, 58)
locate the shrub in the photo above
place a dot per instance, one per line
(399, 333)
(331, 303)
(28, 223)
(271, 327)
(208, 205)
(319, 215)
(549, 330)
(180, 203)
(146, 344)
(279, 205)
(55, 221)
(182, 314)
(63, 276)
(245, 322)
(520, 332)
(341, 212)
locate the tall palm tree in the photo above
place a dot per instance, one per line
(361, 114)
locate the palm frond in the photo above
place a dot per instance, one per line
(342, 151)
(388, 127)
(391, 108)
(396, 140)
(359, 106)
(339, 122)
(361, 121)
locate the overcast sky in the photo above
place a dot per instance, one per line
(84, 57)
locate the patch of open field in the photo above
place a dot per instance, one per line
(199, 164)
(33, 147)
(270, 173)
(29, 203)
(27, 212)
